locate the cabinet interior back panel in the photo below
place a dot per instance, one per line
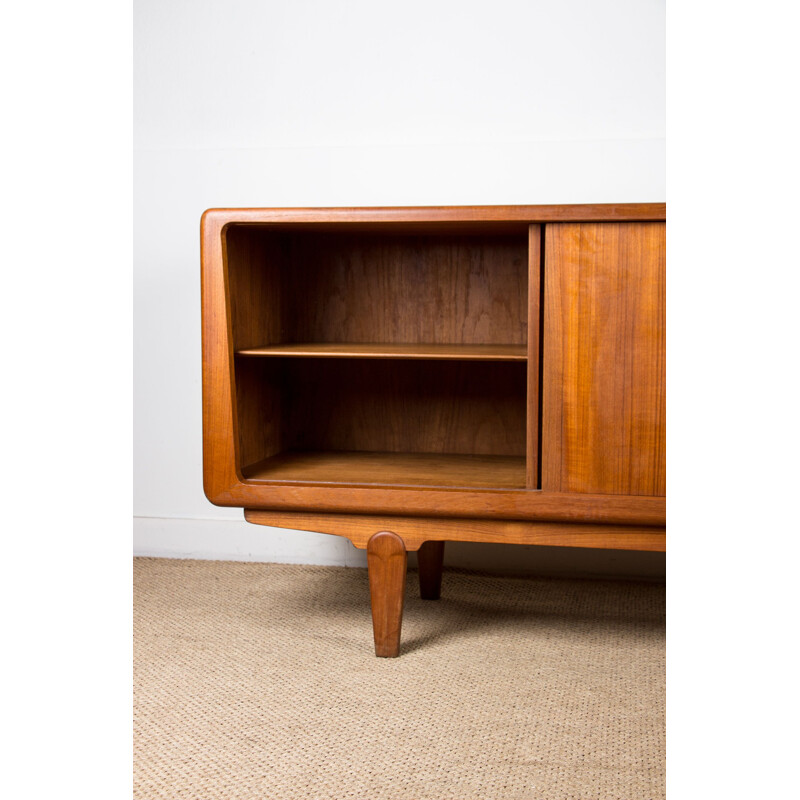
(406, 406)
(433, 289)
(604, 358)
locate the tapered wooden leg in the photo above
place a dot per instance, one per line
(430, 557)
(387, 561)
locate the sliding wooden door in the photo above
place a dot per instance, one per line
(603, 408)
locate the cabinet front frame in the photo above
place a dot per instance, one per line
(223, 482)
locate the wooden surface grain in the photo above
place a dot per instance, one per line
(424, 352)
(220, 432)
(387, 562)
(430, 559)
(414, 531)
(604, 359)
(393, 469)
(439, 289)
(254, 269)
(388, 405)
(428, 217)
(535, 239)
(435, 501)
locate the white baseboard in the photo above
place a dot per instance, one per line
(237, 540)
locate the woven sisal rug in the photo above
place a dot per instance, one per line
(259, 681)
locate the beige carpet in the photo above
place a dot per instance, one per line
(259, 681)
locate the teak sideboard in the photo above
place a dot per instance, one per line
(406, 377)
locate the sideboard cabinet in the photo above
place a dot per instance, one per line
(406, 377)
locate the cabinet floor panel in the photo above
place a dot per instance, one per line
(404, 469)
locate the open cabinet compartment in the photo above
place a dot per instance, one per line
(381, 355)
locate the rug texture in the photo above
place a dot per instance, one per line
(259, 681)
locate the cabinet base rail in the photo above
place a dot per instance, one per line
(388, 541)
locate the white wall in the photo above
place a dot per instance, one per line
(311, 103)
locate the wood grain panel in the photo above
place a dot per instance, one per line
(422, 352)
(254, 267)
(255, 264)
(220, 432)
(534, 311)
(434, 501)
(399, 469)
(387, 562)
(420, 218)
(604, 359)
(407, 406)
(445, 289)
(430, 560)
(414, 531)
(260, 409)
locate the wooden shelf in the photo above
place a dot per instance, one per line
(429, 352)
(412, 469)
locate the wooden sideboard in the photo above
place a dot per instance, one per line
(406, 377)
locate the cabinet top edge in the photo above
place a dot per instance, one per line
(603, 212)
